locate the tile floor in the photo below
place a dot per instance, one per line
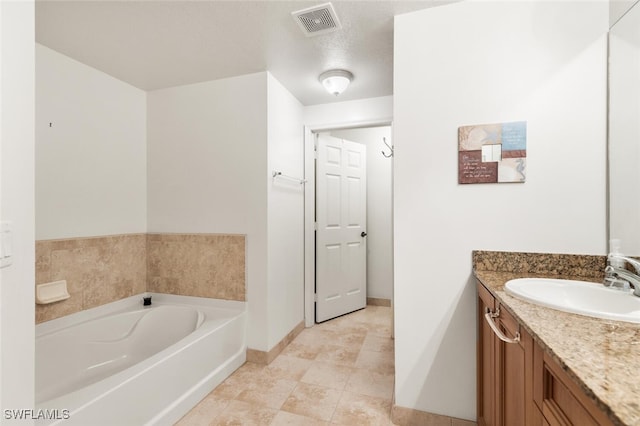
(336, 373)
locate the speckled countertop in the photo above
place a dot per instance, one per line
(602, 356)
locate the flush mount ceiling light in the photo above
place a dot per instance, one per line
(336, 81)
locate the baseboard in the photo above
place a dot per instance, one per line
(263, 357)
(403, 416)
(372, 301)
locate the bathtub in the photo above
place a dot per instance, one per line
(125, 364)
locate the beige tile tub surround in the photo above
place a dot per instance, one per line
(98, 270)
(202, 265)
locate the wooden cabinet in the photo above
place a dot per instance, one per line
(518, 382)
(504, 366)
(486, 361)
(559, 398)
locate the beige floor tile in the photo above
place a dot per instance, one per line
(329, 375)
(242, 379)
(320, 338)
(284, 418)
(246, 373)
(288, 367)
(346, 325)
(408, 417)
(314, 401)
(307, 380)
(335, 323)
(376, 343)
(371, 383)
(354, 409)
(315, 336)
(244, 414)
(381, 362)
(352, 339)
(269, 392)
(228, 390)
(380, 330)
(205, 412)
(339, 355)
(460, 422)
(302, 350)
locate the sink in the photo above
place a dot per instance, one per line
(578, 297)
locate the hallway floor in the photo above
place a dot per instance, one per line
(340, 372)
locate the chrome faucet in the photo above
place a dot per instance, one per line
(613, 274)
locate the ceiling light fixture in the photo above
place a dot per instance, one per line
(336, 81)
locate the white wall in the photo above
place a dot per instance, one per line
(285, 225)
(379, 208)
(17, 113)
(91, 161)
(617, 8)
(207, 172)
(474, 63)
(353, 112)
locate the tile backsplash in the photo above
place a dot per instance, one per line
(202, 265)
(541, 263)
(99, 270)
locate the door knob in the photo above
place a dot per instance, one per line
(363, 234)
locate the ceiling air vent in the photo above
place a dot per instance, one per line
(317, 20)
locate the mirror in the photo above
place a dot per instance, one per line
(624, 131)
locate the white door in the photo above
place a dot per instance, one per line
(341, 214)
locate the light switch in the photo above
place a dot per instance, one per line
(6, 244)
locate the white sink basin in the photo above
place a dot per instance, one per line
(578, 297)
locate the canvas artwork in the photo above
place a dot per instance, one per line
(492, 153)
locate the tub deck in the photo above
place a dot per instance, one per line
(146, 380)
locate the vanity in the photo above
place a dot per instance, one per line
(537, 365)
(548, 367)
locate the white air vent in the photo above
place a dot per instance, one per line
(317, 20)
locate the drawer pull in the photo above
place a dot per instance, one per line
(489, 316)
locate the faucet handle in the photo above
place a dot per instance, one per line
(633, 262)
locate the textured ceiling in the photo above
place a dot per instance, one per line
(156, 44)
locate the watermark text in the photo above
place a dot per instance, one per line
(38, 414)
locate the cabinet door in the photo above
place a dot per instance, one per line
(514, 373)
(485, 361)
(505, 370)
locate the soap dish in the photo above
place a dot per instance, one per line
(51, 292)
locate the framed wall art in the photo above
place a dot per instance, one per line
(492, 153)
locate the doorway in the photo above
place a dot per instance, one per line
(374, 137)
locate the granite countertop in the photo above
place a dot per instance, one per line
(602, 356)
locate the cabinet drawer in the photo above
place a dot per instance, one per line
(560, 406)
(559, 398)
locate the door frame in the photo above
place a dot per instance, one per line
(310, 206)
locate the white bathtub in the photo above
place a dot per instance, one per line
(125, 364)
